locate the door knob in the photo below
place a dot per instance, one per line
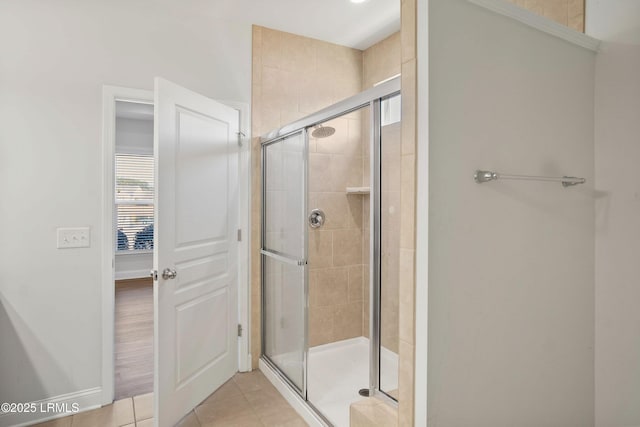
(169, 273)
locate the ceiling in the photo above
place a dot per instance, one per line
(337, 21)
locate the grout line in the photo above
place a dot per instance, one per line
(133, 405)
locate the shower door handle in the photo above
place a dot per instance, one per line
(284, 258)
(316, 218)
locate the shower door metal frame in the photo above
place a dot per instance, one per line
(375, 255)
(369, 98)
(264, 252)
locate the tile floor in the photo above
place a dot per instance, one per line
(247, 400)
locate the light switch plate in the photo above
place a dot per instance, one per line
(77, 237)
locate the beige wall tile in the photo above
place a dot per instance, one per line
(365, 301)
(405, 385)
(288, 115)
(407, 295)
(344, 171)
(556, 11)
(366, 218)
(406, 279)
(312, 95)
(534, 6)
(339, 142)
(390, 55)
(271, 48)
(330, 287)
(320, 178)
(298, 54)
(391, 156)
(320, 249)
(341, 211)
(408, 107)
(372, 412)
(577, 22)
(408, 33)
(389, 331)
(320, 325)
(279, 89)
(347, 321)
(381, 61)
(565, 12)
(355, 283)
(407, 203)
(347, 247)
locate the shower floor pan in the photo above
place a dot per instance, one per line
(336, 372)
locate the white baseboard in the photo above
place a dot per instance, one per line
(85, 400)
(293, 398)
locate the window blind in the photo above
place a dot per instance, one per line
(134, 202)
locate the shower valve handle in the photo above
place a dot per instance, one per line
(316, 218)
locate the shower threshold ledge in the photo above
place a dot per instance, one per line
(291, 396)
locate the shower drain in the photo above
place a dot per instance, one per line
(364, 392)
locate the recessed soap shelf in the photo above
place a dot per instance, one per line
(358, 190)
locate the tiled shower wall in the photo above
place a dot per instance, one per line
(565, 12)
(294, 76)
(339, 296)
(335, 250)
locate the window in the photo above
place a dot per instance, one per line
(134, 202)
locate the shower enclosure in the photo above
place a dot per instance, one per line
(330, 250)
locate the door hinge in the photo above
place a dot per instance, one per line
(239, 330)
(240, 136)
(239, 235)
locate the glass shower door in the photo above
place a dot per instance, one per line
(284, 256)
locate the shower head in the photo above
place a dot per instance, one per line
(323, 131)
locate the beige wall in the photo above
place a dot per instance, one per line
(565, 12)
(293, 76)
(511, 288)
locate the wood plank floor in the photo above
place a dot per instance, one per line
(133, 338)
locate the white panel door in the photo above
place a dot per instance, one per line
(196, 155)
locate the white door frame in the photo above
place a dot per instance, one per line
(111, 94)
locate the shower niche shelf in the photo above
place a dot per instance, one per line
(358, 190)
